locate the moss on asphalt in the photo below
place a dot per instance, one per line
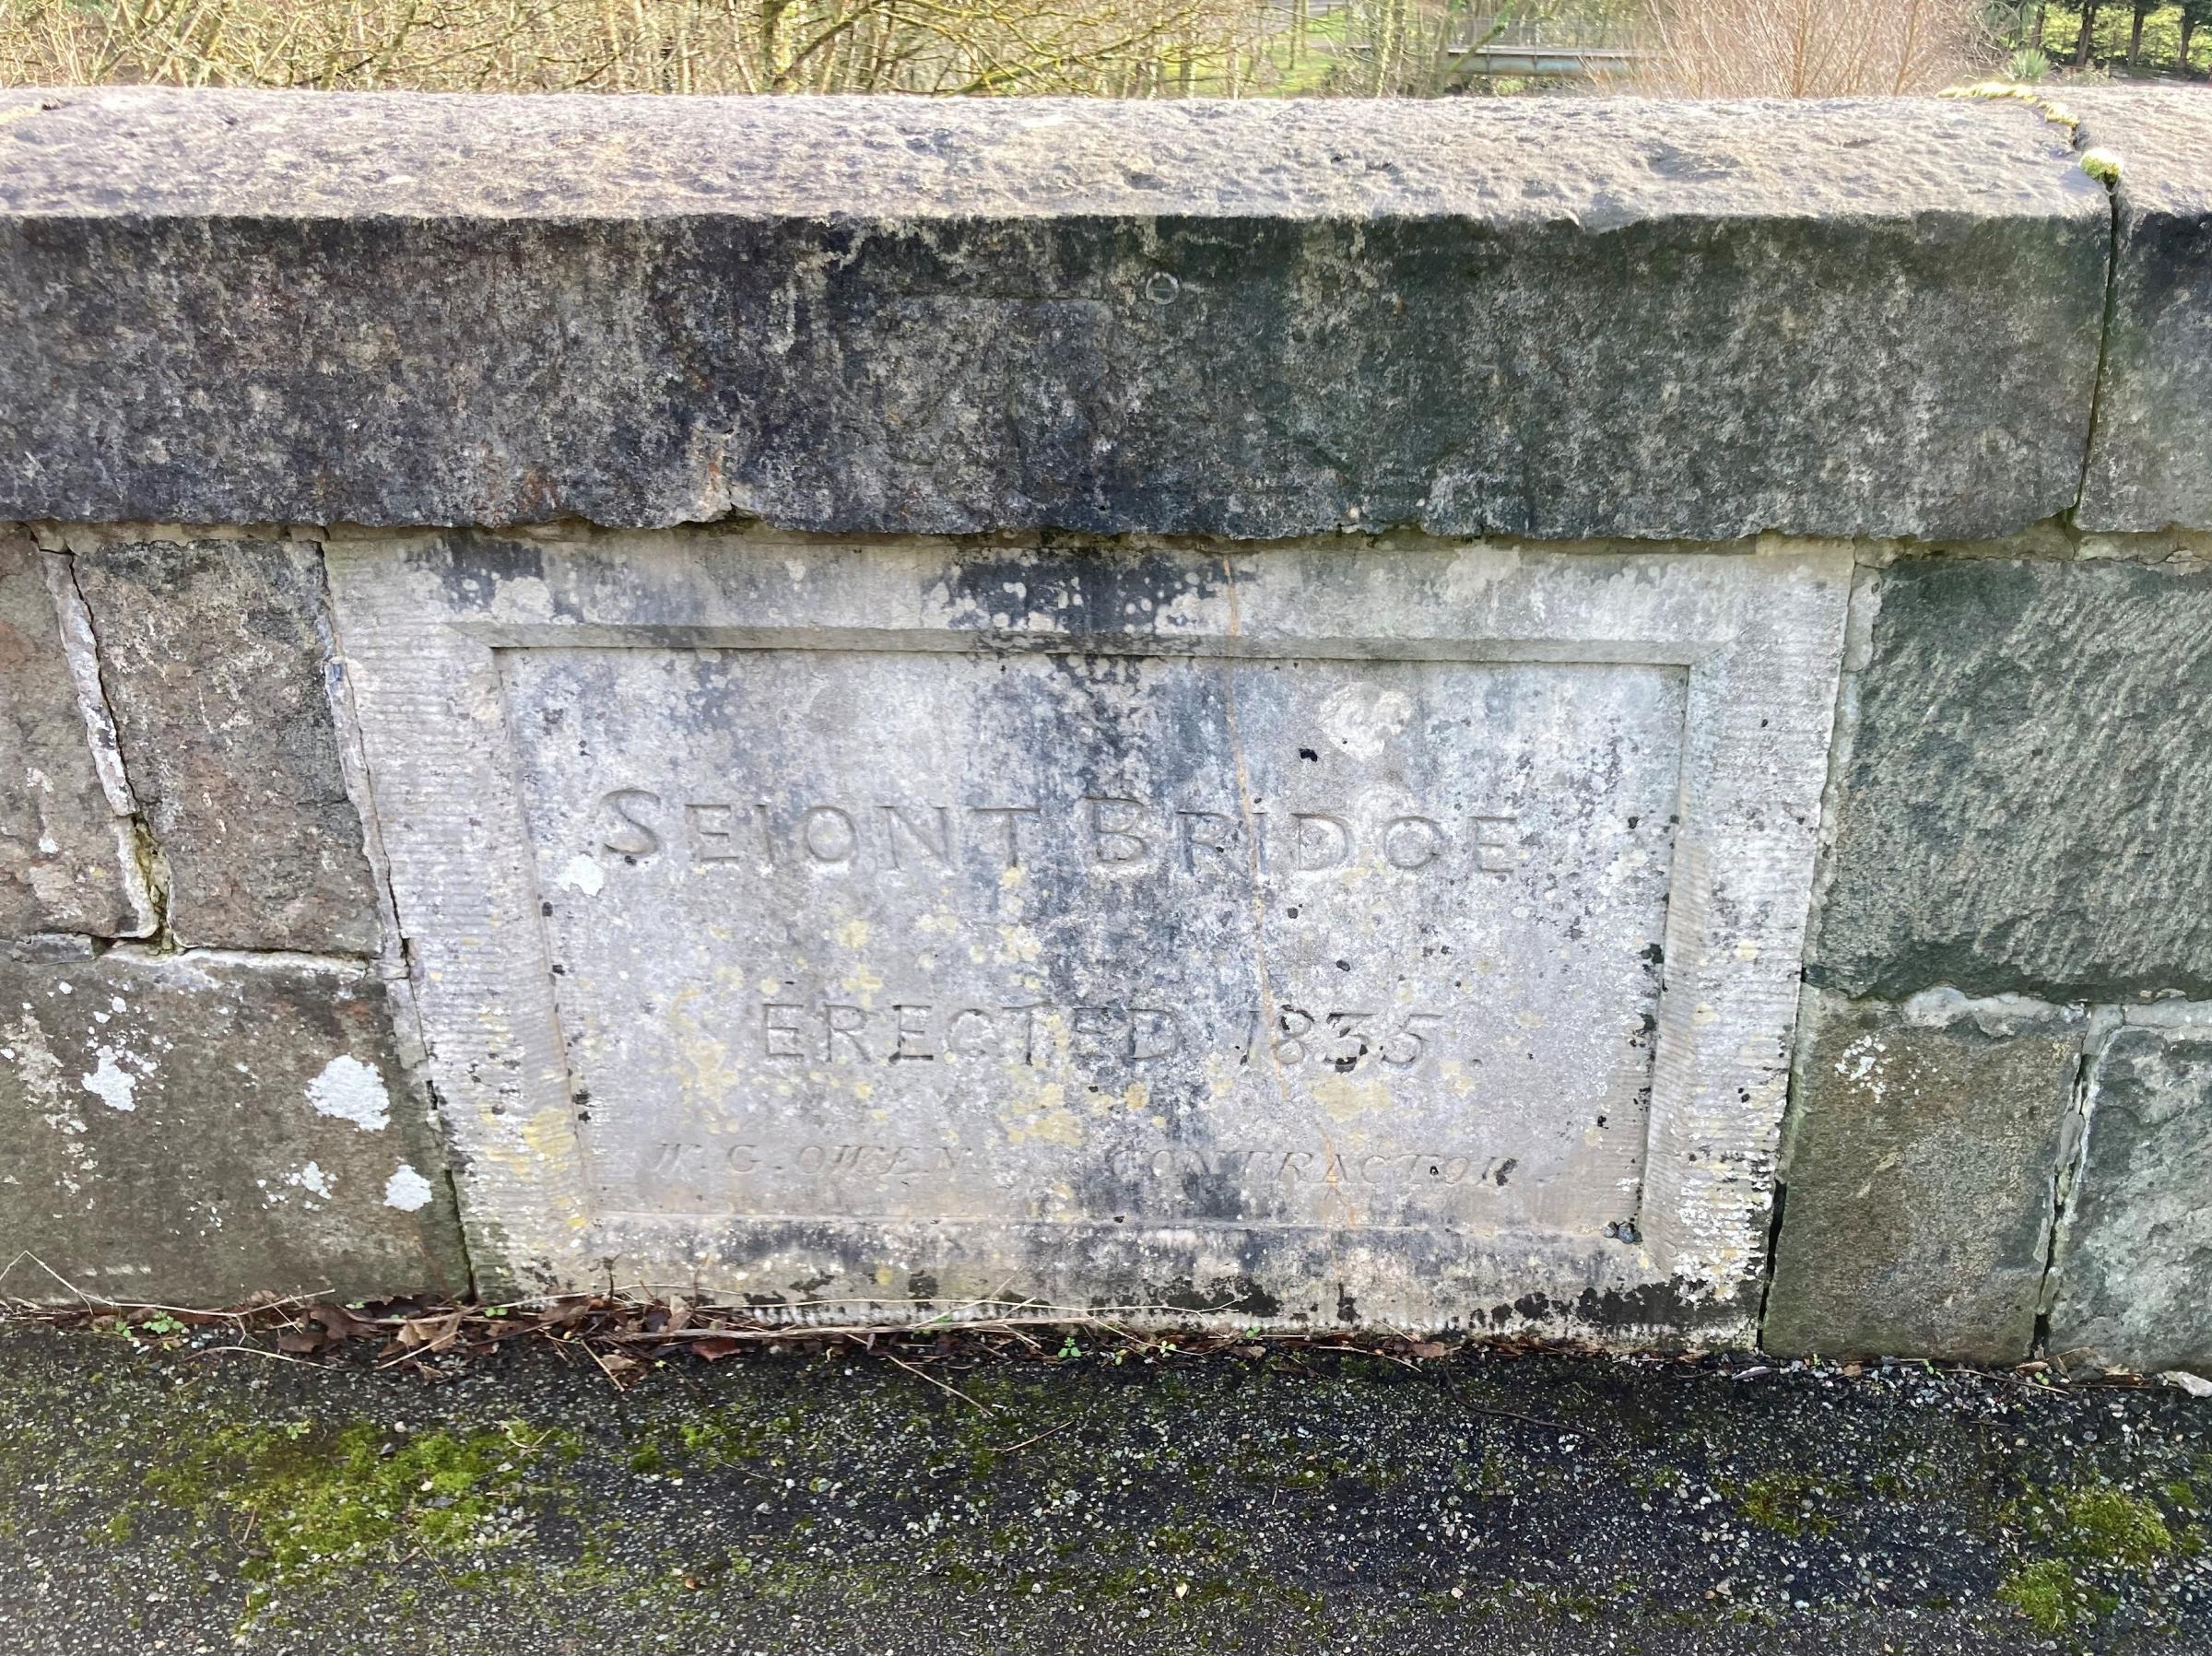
(1286, 1502)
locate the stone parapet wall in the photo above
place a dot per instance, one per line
(1877, 436)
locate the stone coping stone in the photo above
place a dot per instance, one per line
(2135, 1250)
(2152, 462)
(1565, 319)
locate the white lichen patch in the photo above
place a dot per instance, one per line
(351, 1091)
(1363, 720)
(407, 1189)
(311, 1179)
(109, 1082)
(582, 874)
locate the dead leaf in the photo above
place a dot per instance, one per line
(425, 1334)
(1428, 1350)
(339, 1322)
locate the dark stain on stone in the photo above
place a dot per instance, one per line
(471, 568)
(1669, 1311)
(1080, 591)
(1224, 1295)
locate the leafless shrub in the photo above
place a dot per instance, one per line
(1120, 47)
(1810, 48)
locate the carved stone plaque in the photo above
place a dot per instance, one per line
(1402, 936)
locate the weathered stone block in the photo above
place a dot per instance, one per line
(2020, 805)
(199, 1128)
(1918, 1168)
(66, 861)
(1560, 318)
(213, 653)
(2149, 463)
(2132, 1284)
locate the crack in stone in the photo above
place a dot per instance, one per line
(81, 652)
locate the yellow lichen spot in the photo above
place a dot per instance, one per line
(1703, 1015)
(1529, 1020)
(1045, 1119)
(1346, 1099)
(853, 933)
(768, 986)
(1745, 950)
(550, 1132)
(884, 1276)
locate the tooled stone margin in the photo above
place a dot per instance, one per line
(394, 962)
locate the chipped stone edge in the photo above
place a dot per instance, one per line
(2173, 1015)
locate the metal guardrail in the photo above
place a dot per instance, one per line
(1546, 34)
(1486, 46)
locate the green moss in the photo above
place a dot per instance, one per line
(2095, 1524)
(2048, 1595)
(1789, 1503)
(308, 1502)
(2111, 1526)
(2092, 1530)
